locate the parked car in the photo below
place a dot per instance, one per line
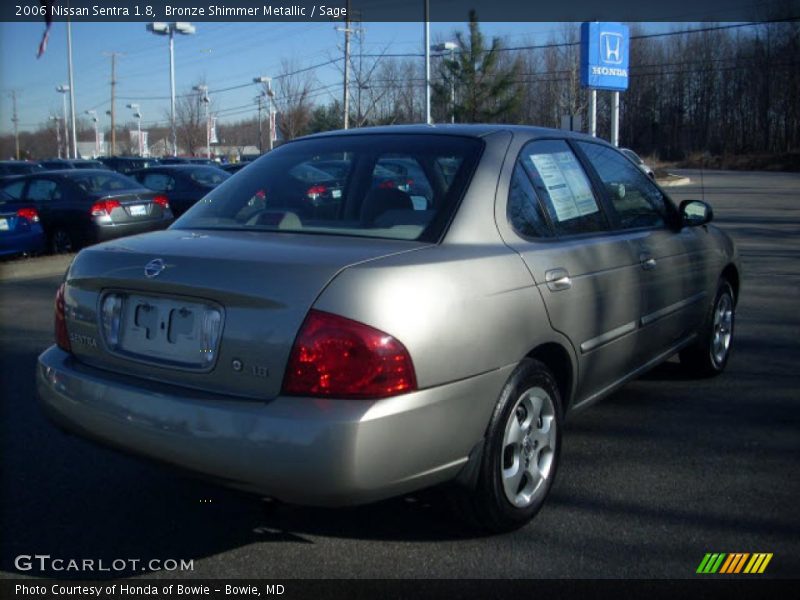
(83, 206)
(187, 160)
(386, 348)
(128, 164)
(20, 229)
(638, 162)
(183, 185)
(58, 164)
(234, 167)
(11, 168)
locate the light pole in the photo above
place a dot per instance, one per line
(138, 114)
(267, 81)
(452, 47)
(58, 132)
(170, 29)
(63, 90)
(203, 89)
(93, 114)
(427, 64)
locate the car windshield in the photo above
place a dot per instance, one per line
(208, 175)
(286, 190)
(107, 181)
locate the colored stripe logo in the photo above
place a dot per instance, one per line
(734, 563)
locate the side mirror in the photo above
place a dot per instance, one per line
(695, 213)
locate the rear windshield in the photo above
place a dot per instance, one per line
(107, 181)
(386, 186)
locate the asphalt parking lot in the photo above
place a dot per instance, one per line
(651, 479)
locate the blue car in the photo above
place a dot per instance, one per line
(20, 229)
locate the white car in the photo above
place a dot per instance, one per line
(638, 162)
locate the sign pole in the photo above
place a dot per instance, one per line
(593, 113)
(615, 118)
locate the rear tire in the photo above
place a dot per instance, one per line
(520, 455)
(708, 355)
(61, 242)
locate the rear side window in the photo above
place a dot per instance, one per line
(209, 176)
(158, 182)
(563, 187)
(524, 210)
(387, 186)
(107, 181)
(14, 189)
(43, 190)
(637, 202)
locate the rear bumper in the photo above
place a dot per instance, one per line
(300, 450)
(104, 232)
(31, 242)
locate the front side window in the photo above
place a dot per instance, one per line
(636, 200)
(361, 185)
(159, 182)
(563, 187)
(208, 176)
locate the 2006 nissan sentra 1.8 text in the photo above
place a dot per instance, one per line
(335, 336)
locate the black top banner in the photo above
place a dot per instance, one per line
(399, 10)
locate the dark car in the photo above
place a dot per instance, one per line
(79, 207)
(10, 168)
(20, 229)
(187, 160)
(59, 164)
(128, 164)
(183, 185)
(234, 167)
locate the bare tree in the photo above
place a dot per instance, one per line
(190, 120)
(293, 99)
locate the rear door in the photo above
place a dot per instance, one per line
(47, 195)
(587, 275)
(673, 262)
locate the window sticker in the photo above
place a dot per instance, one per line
(567, 185)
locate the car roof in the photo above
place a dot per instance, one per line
(477, 130)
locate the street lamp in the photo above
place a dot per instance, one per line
(138, 114)
(93, 114)
(58, 132)
(451, 47)
(170, 29)
(63, 90)
(268, 93)
(203, 89)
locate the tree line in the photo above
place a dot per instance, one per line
(722, 90)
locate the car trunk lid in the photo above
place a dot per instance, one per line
(255, 288)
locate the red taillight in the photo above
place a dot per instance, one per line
(62, 337)
(316, 190)
(29, 213)
(336, 357)
(104, 207)
(387, 184)
(162, 201)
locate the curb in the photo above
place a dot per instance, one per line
(35, 268)
(673, 181)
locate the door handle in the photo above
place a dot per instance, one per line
(557, 280)
(647, 261)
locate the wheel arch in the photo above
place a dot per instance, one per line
(731, 274)
(558, 360)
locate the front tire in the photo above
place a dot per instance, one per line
(708, 356)
(520, 457)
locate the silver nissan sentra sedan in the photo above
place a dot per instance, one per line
(426, 311)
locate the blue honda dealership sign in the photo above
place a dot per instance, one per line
(604, 56)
